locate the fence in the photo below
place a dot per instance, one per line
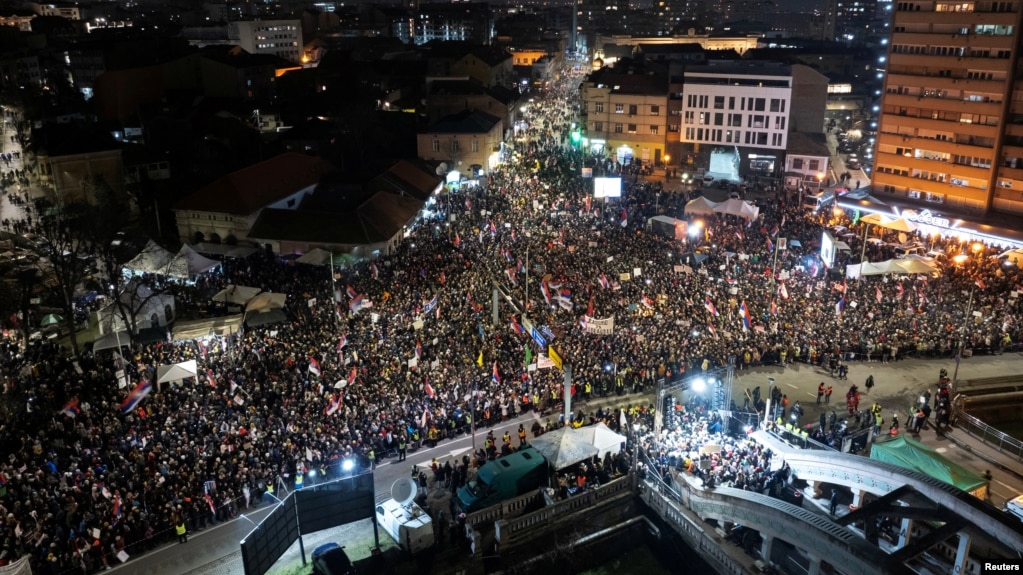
(510, 532)
(506, 509)
(987, 434)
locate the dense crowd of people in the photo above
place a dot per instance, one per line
(81, 479)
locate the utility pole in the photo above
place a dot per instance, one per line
(568, 394)
(962, 337)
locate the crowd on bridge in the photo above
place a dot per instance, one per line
(91, 468)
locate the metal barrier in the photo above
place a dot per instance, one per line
(987, 434)
(510, 508)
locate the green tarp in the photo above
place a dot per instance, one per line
(910, 454)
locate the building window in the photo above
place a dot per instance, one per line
(619, 108)
(436, 145)
(719, 119)
(454, 146)
(777, 105)
(633, 109)
(618, 128)
(654, 130)
(632, 128)
(655, 110)
(719, 102)
(814, 165)
(690, 117)
(599, 107)
(797, 163)
(475, 145)
(598, 126)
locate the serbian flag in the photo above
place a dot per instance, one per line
(625, 218)
(70, 408)
(774, 308)
(429, 389)
(747, 321)
(899, 290)
(784, 291)
(351, 292)
(333, 406)
(646, 300)
(458, 240)
(603, 281)
(117, 505)
(877, 294)
(517, 327)
(980, 284)
(770, 245)
(353, 374)
(589, 308)
(432, 303)
(814, 268)
(419, 349)
(496, 375)
(209, 376)
(546, 292)
(314, 366)
(511, 276)
(840, 306)
(710, 306)
(209, 501)
(342, 342)
(136, 396)
(493, 228)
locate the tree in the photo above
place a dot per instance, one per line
(17, 289)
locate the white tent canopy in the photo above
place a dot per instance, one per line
(151, 260)
(700, 206)
(906, 266)
(266, 301)
(177, 371)
(603, 438)
(315, 257)
(563, 447)
(188, 264)
(898, 224)
(236, 295)
(225, 325)
(739, 208)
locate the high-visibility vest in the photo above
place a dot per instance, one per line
(180, 528)
(298, 481)
(269, 488)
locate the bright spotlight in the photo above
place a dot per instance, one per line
(347, 465)
(312, 473)
(699, 385)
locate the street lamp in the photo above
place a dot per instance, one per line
(959, 260)
(820, 181)
(667, 169)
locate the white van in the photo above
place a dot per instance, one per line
(408, 524)
(817, 201)
(1014, 507)
(908, 249)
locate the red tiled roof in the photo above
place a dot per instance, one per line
(250, 189)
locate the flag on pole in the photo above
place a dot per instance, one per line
(511, 276)
(747, 321)
(545, 292)
(980, 284)
(443, 278)
(353, 374)
(432, 303)
(783, 291)
(342, 342)
(589, 308)
(117, 505)
(209, 376)
(646, 301)
(774, 308)
(479, 360)
(710, 328)
(333, 405)
(495, 375)
(70, 408)
(419, 349)
(351, 292)
(493, 228)
(840, 306)
(314, 366)
(517, 327)
(710, 306)
(625, 218)
(373, 269)
(770, 245)
(136, 396)
(603, 281)
(899, 290)
(429, 389)
(529, 355)
(458, 240)
(877, 294)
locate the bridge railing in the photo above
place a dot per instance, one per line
(988, 434)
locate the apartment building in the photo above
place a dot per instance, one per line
(625, 111)
(281, 38)
(951, 125)
(741, 104)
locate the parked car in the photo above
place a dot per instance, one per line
(708, 180)
(331, 559)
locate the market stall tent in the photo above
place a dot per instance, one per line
(563, 447)
(739, 208)
(700, 206)
(188, 264)
(176, 371)
(236, 295)
(603, 438)
(151, 260)
(913, 455)
(315, 257)
(194, 329)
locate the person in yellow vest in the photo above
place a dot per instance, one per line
(298, 479)
(182, 531)
(522, 435)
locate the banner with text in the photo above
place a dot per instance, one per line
(605, 326)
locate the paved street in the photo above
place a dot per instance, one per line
(898, 385)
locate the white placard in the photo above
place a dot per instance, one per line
(374, 317)
(610, 258)
(413, 362)
(733, 290)
(122, 555)
(418, 324)
(624, 277)
(312, 302)
(636, 272)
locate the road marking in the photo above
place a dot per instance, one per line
(792, 386)
(1005, 485)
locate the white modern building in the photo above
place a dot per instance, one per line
(750, 107)
(282, 38)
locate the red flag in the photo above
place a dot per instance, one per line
(589, 310)
(877, 294)
(981, 284)
(429, 389)
(899, 290)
